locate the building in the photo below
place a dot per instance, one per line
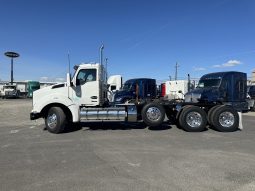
(253, 77)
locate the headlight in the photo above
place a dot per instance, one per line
(118, 99)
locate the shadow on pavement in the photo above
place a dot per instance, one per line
(103, 126)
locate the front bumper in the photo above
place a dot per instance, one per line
(34, 116)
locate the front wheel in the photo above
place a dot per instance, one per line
(153, 114)
(193, 119)
(55, 120)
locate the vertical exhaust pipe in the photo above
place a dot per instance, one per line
(188, 83)
(101, 54)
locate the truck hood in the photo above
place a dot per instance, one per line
(121, 95)
(53, 91)
(58, 86)
(202, 95)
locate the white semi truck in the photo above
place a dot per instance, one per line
(84, 98)
(10, 91)
(114, 83)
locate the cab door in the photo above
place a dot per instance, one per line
(87, 87)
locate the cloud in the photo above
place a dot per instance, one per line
(60, 79)
(229, 63)
(44, 79)
(199, 68)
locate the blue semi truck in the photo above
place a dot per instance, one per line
(216, 101)
(138, 88)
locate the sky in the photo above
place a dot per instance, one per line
(142, 38)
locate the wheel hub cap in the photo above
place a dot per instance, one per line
(52, 120)
(194, 119)
(153, 114)
(226, 119)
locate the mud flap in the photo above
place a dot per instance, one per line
(240, 121)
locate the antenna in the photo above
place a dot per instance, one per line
(176, 70)
(106, 69)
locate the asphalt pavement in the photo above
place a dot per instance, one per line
(116, 157)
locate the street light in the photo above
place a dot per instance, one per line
(11, 55)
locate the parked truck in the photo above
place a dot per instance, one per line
(251, 97)
(10, 91)
(31, 87)
(171, 89)
(137, 88)
(83, 98)
(114, 84)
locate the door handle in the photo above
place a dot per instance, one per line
(93, 97)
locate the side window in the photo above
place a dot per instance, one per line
(224, 84)
(86, 75)
(113, 87)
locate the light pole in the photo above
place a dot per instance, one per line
(11, 55)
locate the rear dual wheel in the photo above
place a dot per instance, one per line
(193, 119)
(224, 118)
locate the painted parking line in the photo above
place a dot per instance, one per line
(14, 131)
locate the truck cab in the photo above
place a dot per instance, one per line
(87, 88)
(90, 86)
(141, 88)
(10, 91)
(84, 97)
(114, 84)
(31, 87)
(228, 88)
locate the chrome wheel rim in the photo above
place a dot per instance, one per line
(226, 119)
(52, 120)
(194, 119)
(153, 114)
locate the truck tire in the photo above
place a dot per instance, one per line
(210, 113)
(55, 120)
(193, 119)
(225, 119)
(153, 114)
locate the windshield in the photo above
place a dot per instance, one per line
(206, 83)
(128, 86)
(9, 87)
(34, 87)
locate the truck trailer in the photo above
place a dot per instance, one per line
(217, 101)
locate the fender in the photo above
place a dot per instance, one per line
(57, 99)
